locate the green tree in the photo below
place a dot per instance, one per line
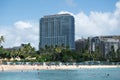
(118, 53)
(27, 49)
(1, 52)
(111, 54)
(1, 39)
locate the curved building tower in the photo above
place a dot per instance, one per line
(57, 30)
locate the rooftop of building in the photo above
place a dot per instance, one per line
(55, 15)
(113, 36)
(108, 37)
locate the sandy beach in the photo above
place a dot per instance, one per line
(53, 67)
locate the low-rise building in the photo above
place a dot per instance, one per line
(104, 44)
(81, 45)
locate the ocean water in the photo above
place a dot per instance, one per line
(78, 74)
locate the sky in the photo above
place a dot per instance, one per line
(19, 19)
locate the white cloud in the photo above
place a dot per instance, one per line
(97, 23)
(70, 3)
(15, 36)
(117, 11)
(66, 12)
(118, 5)
(22, 25)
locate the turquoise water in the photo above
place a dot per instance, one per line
(80, 74)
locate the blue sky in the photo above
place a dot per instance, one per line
(19, 19)
(13, 10)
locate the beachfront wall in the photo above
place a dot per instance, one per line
(60, 63)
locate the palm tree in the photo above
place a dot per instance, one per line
(1, 39)
(118, 53)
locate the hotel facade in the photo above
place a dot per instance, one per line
(104, 44)
(57, 30)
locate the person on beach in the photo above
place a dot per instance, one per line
(2, 69)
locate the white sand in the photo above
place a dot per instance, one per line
(40, 67)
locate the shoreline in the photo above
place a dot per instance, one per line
(52, 67)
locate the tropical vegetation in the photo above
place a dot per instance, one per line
(61, 53)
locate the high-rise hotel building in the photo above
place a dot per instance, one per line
(57, 30)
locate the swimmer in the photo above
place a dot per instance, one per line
(38, 73)
(107, 74)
